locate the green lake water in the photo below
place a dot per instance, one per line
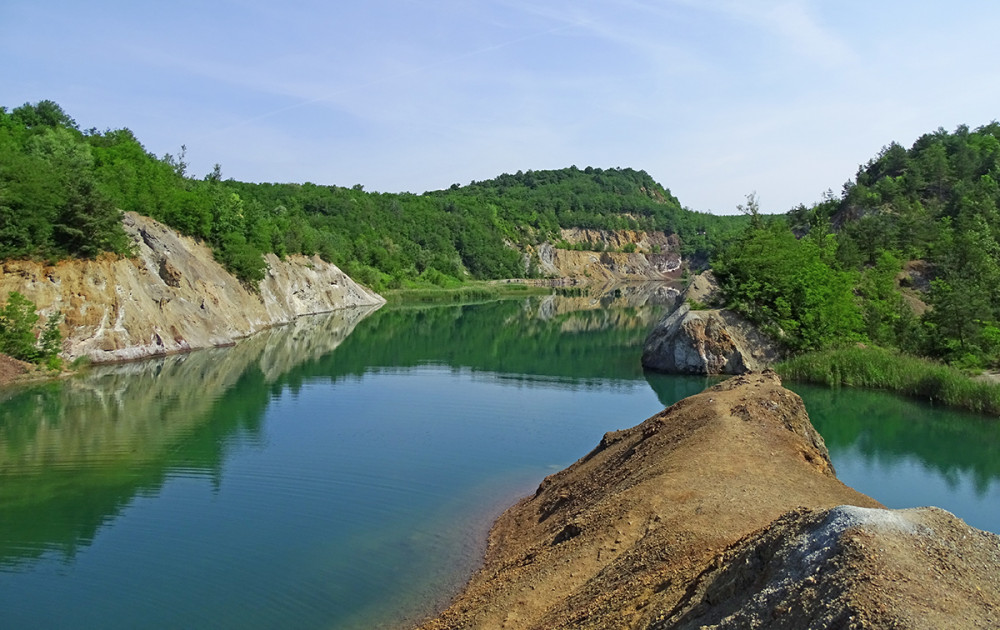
(342, 472)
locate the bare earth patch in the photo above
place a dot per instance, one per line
(12, 370)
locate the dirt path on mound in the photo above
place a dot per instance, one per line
(625, 537)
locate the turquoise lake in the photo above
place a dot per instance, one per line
(342, 472)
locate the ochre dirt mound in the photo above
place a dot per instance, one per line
(852, 567)
(635, 534)
(12, 370)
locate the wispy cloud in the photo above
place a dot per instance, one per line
(712, 97)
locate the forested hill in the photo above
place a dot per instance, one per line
(915, 225)
(62, 190)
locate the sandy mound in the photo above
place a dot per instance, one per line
(12, 370)
(852, 567)
(666, 524)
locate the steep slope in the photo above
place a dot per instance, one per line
(172, 296)
(601, 256)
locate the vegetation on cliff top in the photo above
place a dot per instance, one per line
(908, 258)
(62, 191)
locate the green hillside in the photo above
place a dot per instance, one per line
(62, 190)
(918, 225)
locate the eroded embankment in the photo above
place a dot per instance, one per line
(611, 256)
(172, 296)
(669, 524)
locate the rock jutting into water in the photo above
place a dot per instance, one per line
(710, 341)
(724, 509)
(173, 296)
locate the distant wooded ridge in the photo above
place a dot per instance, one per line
(907, 257)
(63, 190)
(841, 270)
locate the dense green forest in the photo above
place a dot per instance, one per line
(62, 190)
(908, 256)
(839, 271)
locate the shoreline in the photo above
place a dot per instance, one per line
(665, 525)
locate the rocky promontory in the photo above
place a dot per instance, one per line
(706, 339)
(724, 511)
(173, 296)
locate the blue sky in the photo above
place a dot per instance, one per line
(714, 98)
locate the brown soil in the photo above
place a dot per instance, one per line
(669, 524)
(12, 370)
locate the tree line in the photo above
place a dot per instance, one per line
(62, 191)
(906, 257)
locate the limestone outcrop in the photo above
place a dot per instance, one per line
(706, 342)
(656, 257)
(173, 296)
(710, 341)
(724, 509)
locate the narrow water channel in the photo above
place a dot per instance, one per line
(341, 472)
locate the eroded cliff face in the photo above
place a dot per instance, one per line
(714, 341)
(724, 509)
(656, 257)
(709, 341)
(173, 296)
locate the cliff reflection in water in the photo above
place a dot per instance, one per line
(73, 453)
(576, 338)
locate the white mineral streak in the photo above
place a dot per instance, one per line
(173, 296)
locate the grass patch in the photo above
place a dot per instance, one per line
(878, 368)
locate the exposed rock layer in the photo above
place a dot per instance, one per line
(714, 341)
(711, 341)
(669, 524)
(656, 257)
(173, 296)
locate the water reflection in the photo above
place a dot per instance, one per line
(888, 429)
(74, 452)
(307, 454)
(576, 337)
(906, 453)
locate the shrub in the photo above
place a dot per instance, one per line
(878, 368)
(19, 336)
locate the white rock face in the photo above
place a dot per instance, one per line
(173, 296)
(614, 265)
(705, 342)
(716, 341)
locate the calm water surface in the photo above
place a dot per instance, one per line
(342, 472)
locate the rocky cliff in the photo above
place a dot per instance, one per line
(656, 256)
(173, 296)
(706, 341)
(724, 509)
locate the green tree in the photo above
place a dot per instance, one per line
(784, 284)
(20, 336)
(966, 295)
